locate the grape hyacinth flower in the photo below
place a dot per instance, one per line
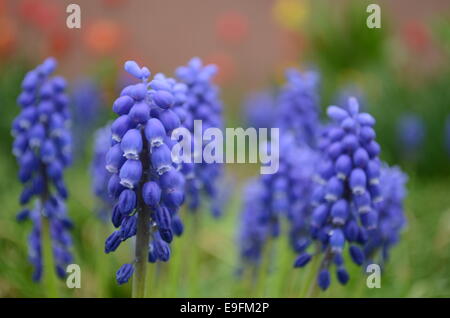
(299, 106)
(42, 146)
(286, 193)
(202, 103)
(254, 229)
(87, 101)
(145, 183)
(260, 110)
(100, 176)
(411, 134)
(391, 215)
(348, 193)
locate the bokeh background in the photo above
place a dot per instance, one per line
(401, 73)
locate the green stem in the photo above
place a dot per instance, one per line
(143, 230)
(310, 287)
(264, 268)
(50, 282)
(141, 252)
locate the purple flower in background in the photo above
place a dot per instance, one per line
(287, 193)
(298, 105)
(351, 91)
(42, 147)
(410, 133)
(87, 100)
(259, 110)
(202, 103)
(100, 176)
(348, 192)
(255, 224)
(391, 218)
(145, 183)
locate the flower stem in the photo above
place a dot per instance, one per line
(310, 290)
(143, 229)
(141, 252)
(50, 282)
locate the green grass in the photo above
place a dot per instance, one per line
(205, 259)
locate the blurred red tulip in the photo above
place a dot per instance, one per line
(232, 27)
(416, 36)
(44, 15)
(7, 36)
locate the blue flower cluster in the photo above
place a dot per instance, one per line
(145, 182)
(42, 146)
(254, 228)
(391, 218)
(87, 101)
(202, 103)
(348, 195)
(410, 134)
(286, 193)
(260, 110)
(298, 105)
(100, 176)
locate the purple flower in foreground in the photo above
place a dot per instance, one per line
(145, 185)
(42, 147)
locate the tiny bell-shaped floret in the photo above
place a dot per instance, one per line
(127, 201)
(151, 193)
(343, 166)
(114, 159)
(130, 173)
(155, 132)
(113, 242)
(132, 144)
(128, 227)
(302, 260)
(324, 279)
(124, 273)
(140, 113)
(120, 126)
(122, 105)
(358, 181)
(161, 159)
(337, 240)
(169, 119)
(339, 212)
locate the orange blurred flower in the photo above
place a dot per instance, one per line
(232, 27)
(7, 36)
(58, 42)
(103, 36)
